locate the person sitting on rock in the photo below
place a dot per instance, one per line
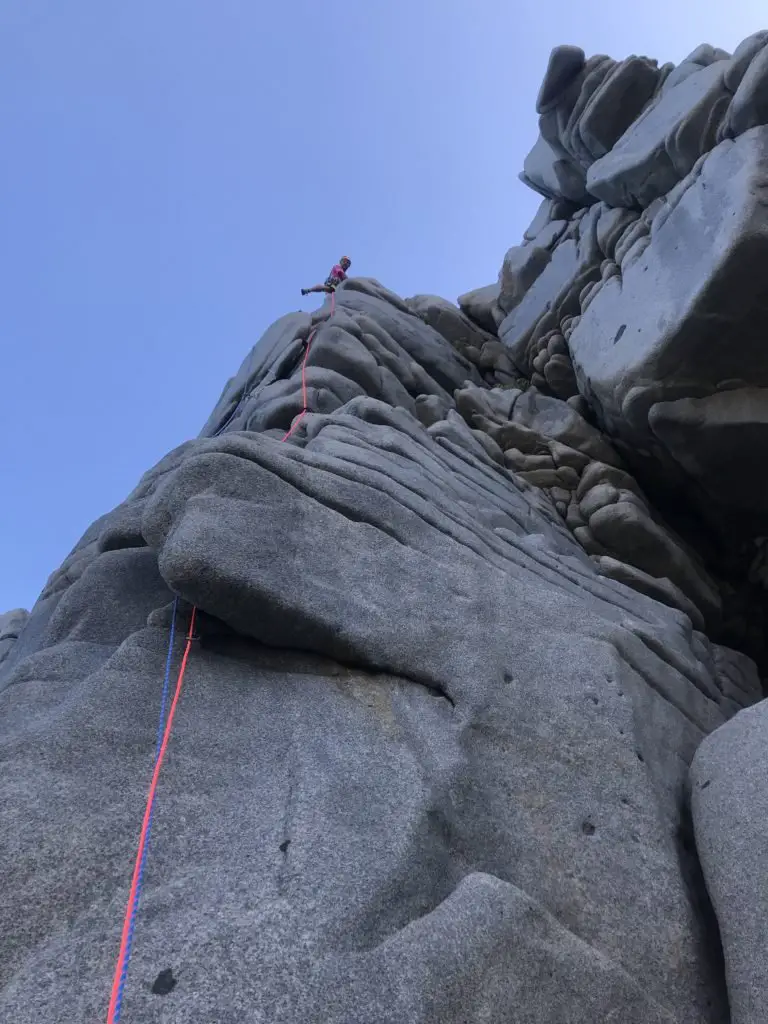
(334, 279)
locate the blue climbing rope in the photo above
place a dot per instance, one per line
(137, 894)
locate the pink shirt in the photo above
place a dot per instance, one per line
(338, 273)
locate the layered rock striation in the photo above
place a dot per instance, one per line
(470, 731)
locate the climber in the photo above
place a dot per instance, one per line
(334, 279)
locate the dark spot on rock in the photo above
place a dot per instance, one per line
(594, 699)
(508, 677)
(284, 846)
(164, 983)
(625, 800)
(621, 693)
(587, 828)
(705, 784)
(640, 757)
(619, 333)
(685, 838)
(621, 732)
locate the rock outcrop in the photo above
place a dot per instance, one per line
(641, 293)
(470, 730)
(11, 626)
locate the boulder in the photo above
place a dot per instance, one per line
(481, 306)
(11, 625)
(661, 147)
(659, 349)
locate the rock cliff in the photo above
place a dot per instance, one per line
(472, 726)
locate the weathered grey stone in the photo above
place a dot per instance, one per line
(552, 298)
(597, 497)
(613, 107)
(550, 210)
(559, 124)
(729, 798)
(449, 321)
(555, 419)
(480, 305)
(749, 106)
(546, 284)
(719, 440)
(574, 518)
(585, 106)
(551, 176)
(611, 226)
(742, 57)
(523, 264)
(566, 456)
(568, 477)
(489, 354)
(531, 431)
(701, 57)
(431, 759)
(625, 530)
(663, 590)
(380, 802)
(262, 359)
(523, 462)
(540, 477)
(565, 63)
(560, 376)
(556, 344)
(664, 143)
(11, 625)
(600, 473)
(496, 404)
(429, 410)
(561, 495)
(688, 314)
(586, 538)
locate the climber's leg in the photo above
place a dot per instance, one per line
(316, 288)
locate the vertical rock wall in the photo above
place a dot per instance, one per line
(455, 659)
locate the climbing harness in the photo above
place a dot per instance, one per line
(163, 736)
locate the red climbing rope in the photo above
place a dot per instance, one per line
(304, 402)
(121, 968)
(303, 412)
(119, 978)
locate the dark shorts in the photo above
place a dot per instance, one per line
(332, 283)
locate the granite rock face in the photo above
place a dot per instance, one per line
(637, 297)
(651, 286)
(11, 625)
(468, 732)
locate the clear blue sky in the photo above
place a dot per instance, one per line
(173, 171)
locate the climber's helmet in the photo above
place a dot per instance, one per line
(345, 262)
